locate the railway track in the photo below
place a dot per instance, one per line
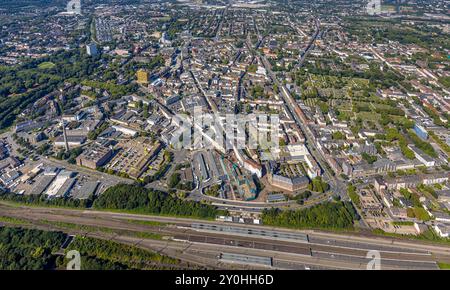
(182, 235)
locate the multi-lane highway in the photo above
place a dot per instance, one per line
(201, 242)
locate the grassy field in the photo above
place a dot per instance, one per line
(371, 116)
(46, 65)
(14, 221)
(64, 225)
(444, 266)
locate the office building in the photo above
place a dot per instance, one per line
(94, 157)
(91, 49)
(421, 132)
(287, 183)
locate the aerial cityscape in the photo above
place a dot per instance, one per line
(224, 135)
